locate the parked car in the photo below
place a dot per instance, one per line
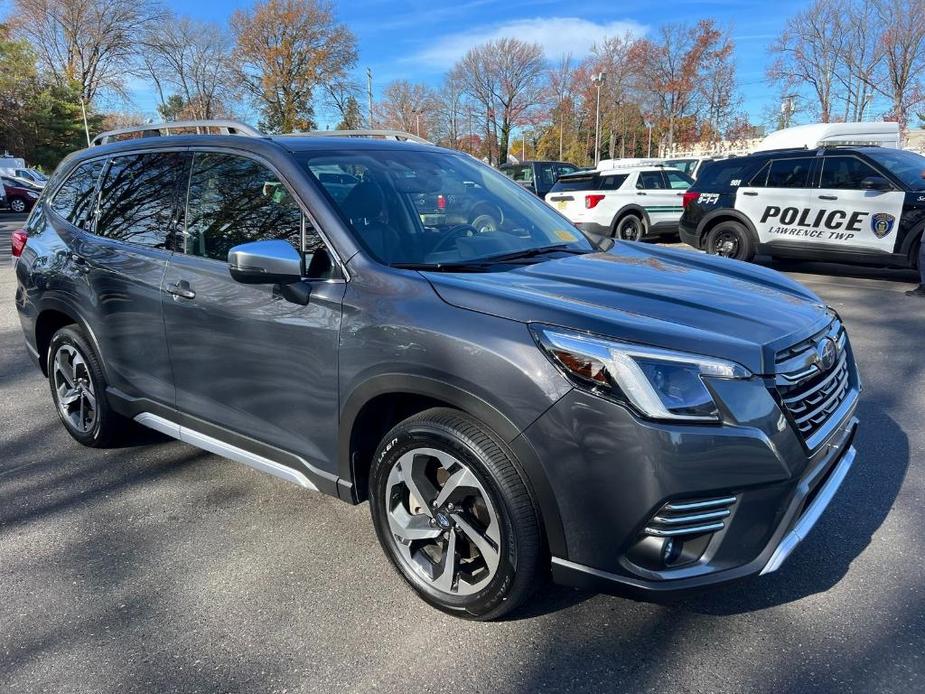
(691, 166)
(537, 176)
(20, 195)
(34, 177)
(510, 399)
(855, 204)
(630, 202)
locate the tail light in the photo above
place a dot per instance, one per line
(441, 202)
(592, 200)
(18, 241)
(688, 198)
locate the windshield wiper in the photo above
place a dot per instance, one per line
(488, 261)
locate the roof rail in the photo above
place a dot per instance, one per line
(225, 127)
(380, 134)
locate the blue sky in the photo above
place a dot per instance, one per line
(419, 40)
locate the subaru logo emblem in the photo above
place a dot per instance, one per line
(826, 353)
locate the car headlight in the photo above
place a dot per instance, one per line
(658, 383)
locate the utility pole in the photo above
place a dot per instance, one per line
(369, 95)
(598, 80)
(787, 108)
(83, 110)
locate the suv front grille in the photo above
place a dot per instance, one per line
(811, 395)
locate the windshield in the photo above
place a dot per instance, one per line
(438, 208)
(908, 167)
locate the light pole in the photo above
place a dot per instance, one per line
(598, 80)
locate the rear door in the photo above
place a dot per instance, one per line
(661, 202)
(244, 358)
(124, 264)
(777, 201)
(851, 216)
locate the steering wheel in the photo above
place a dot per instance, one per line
(452, 234)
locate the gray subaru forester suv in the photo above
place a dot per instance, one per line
(512, 396)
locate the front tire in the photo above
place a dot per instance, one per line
(730, 240)
(17, 205)
(78, 389)
(454, 515)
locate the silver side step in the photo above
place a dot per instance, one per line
(226, 450)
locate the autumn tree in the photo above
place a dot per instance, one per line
(903, 54)
(88, 42)
(407, 106)
(285, 51)
(189, 63)
(504, 77)
(351, 118)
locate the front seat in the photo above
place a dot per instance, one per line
(365, 207)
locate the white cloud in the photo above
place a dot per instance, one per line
(557, 35)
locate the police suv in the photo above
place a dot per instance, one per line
(630, 202)
(836, 202)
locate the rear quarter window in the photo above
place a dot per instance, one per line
(722, 175)
(75, 200)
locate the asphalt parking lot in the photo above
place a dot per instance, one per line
(161, 568)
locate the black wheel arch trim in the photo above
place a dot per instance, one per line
(522, 454)
(68, 308)
(713, 217)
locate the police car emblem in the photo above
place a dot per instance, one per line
(882, 224)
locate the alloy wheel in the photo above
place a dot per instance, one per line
(17, 206)
(442, 522)
(75, 395)
(630, 229)
(725, 244)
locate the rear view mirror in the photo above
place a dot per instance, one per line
(265, 262)
(876, 183)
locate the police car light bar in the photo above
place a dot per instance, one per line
(608, 164)
(815, 135)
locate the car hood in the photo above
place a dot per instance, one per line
(669, 298)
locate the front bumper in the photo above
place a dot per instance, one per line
(613, 473)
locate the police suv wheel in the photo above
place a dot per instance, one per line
(630, 228)
(730, 240)
(454, 515)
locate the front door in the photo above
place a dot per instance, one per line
(860, 219)
(244, 358)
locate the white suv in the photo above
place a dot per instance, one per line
(630, 203)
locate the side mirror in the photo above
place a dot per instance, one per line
(265, 262)
(876, 183)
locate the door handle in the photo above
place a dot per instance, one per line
(749, 192)
(639, 192)
(181, 290)
(828, 197)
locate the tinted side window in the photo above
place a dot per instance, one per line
(547, 174)
(139, 198)
(789, 173)
(522, 174)
(612, 182)
(845, 173)
(234, 200)
(650, 180)
(75, 199)
(678, 181)
(565, 169)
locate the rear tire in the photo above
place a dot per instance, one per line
(442, 486)
(630, 228)
(78, 389)
(17, 205)
(730, 240)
